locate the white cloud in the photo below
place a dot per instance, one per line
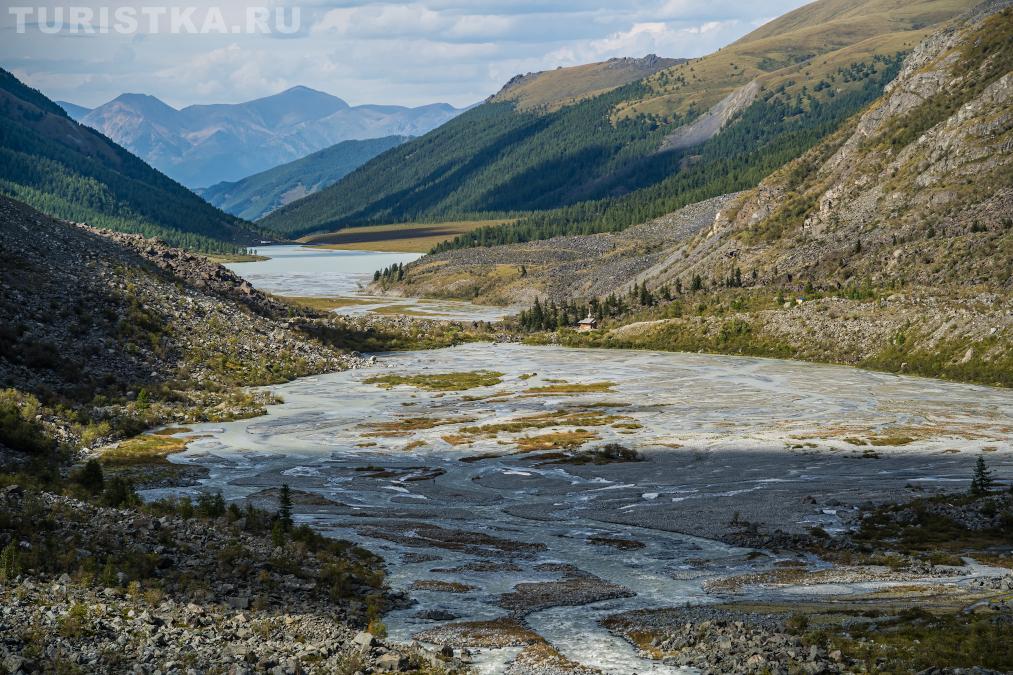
(655, 37)
(412, 52)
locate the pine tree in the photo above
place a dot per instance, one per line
(537, 315)
(982, 481)
(90, 477)
(285, 507)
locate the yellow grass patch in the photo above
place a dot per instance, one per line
(561, 440)
(401, 310)
(325, 304)
(171, 431)
(223, 258)
(144, 449)
(544, 421)
(567, 388)
(397, 238)
(417, 423)
(440, 381)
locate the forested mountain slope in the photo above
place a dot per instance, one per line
(70, 171)
(888, 245)
(254, 197)
(597, 164)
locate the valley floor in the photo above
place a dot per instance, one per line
(546, 509)
(484, 475)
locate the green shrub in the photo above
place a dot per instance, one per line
(210, 505)
(74, 624)
(90, 477)
(9, 564)
(18, 428)
(120, 492)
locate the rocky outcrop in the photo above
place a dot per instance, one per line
(916, 189)
(723, 641)
(199, 272)
(714, 120)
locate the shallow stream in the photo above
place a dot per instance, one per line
(716, 433)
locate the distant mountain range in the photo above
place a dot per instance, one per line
(258, 195)
(71, 171)
(202, 145)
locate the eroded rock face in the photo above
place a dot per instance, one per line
(709, 124)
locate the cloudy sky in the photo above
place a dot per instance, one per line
(410, 53)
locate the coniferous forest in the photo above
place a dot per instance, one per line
(71, 171)
(578, 170)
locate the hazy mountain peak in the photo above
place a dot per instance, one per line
(140, 100)
(202, 145)
(76, 112)
(302, 92)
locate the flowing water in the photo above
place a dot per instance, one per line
(302, 271)
(716, 432)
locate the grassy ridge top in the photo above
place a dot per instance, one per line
(790, 46)
(551, 90)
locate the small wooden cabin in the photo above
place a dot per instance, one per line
(588, 324)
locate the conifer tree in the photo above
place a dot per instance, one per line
(285, 507)
(982, 481)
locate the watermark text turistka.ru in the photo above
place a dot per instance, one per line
(156, 19)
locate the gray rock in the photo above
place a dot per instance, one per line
(391, 662)
(364, 640)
